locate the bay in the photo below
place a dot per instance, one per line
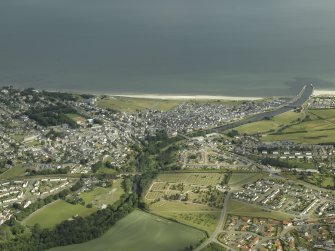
(213, 47)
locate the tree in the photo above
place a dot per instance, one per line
(127, 184)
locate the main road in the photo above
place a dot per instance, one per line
(296, 102)
(219, 227)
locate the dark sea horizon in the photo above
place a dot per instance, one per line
(190, 47)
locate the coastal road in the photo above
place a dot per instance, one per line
(219, 227)
(296, 102)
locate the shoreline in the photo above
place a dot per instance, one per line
(316, 92)
(172, 96)
(323, 93)
(183, 97)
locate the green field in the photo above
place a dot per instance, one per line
(200, 179)
(328, 182)
(56, 212)
(75, 117)
(270, 125)
(196, 215)
(213, 247)
(201, 220)
(106, 170)
(244, 209)
(131, 105)
(242, 178)
(319, 180)
(15, 171)
(318, 127)
(142, 232)
(101, 195)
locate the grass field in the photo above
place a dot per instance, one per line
(100, 195)
(142, 232)
(56, 212)
(213, 247)
(75, 117)
(270, 125)
(245, 209)
(15, 171)
(196, 215)
(242, 178)
(200, 179)
(202, 220)
(319, 128)
(106, 170)
(131, 105)
(328, 182)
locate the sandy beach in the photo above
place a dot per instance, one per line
(185, 97)
(324, 93)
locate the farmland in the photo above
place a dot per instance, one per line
(313, 126)
(56, 212)
(142, 232)
(318, 127)
(271, 124)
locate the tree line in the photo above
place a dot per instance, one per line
(75, 231)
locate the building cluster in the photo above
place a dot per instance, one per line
(311, 235)
(24, 192)
(321, 102)
(253, 233)
(210, 151)
(190, 116)
(299, 157)
(285, 196)
(100, 134)
(262, 226)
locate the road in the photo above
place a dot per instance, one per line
(219, 227)
(297, 101)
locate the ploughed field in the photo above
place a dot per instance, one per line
(141, 231)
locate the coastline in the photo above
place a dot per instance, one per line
(170, 96)
(184, 97)
(323, 93)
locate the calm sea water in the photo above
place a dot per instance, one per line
(220, 47)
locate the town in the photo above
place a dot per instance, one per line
(264, 185)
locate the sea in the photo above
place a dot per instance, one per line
(209, 47)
